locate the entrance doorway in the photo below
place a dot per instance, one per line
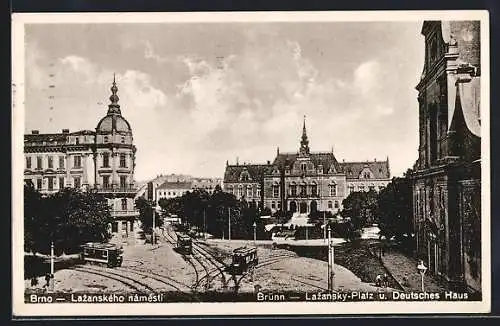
(303, 207)
(314, 206)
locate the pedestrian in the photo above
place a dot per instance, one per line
(47, 280)
(34, 281)
(386, 280)
(378, 280)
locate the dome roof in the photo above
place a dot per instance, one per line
(113, 122)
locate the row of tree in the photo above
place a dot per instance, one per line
(67, 219)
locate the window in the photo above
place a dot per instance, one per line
(336, 204)
(314, 190)
(77, 182)
(114, 227)
(77, 161)
(105, 139)
(61, 162)
(276, 191)
(39, 184)
(77, 140)
(273, 205)
(50, 162)
(361, 188)
(124, 204)
(61, 182)
(258, 192)
(240, 190)
(50, 183)
(366, 175)
(249, 192)
(230, 190)
(28, 162)
(279, 205)
(330, 204)
(105, 181)
(131, 226)
(293, 190)
(123, 162)
(123, 182)
(303, 190)
(105, 160)
(303, 167)
(123, 140)
(333, 190)
(39, 162)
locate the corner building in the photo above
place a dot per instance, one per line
(305, 181)
(102, 160)
(447, 174)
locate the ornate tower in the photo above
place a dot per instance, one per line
(114, 159)
(304, 142)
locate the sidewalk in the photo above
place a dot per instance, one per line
(401, 266)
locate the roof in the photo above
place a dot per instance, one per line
(284, 160)
(175, 185)
(256, 172)
(113, 122)
(380, 169)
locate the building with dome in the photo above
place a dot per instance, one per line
(303, 182)
(102, 160)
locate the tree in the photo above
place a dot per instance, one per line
(68, 218)
(32, 215)
(395, 208)
(361, 208)
(146, 211)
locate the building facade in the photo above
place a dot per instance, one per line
(172, 189)
(304, 182)
(102, 160)
(447, 174)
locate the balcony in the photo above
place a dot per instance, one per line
(303, 195)
(124, 213)
(111, 189)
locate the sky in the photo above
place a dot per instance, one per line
(200, 94)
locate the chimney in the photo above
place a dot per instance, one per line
(268, 162)
(35, 132)
(375, 160)
(65, 131)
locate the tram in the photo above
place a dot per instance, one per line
(184, 244)
(243, 259)
(102, 253)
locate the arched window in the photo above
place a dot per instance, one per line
(240, 190)
(258, 191)
(124, 204)
(276, 190)
(333, 189)
(314, 189)
(303, 189)
(293, 189)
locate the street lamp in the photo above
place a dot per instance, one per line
(255, 234)
(422, 269)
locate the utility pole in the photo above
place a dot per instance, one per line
(154, 226)
(332, 260)
(204, 223)
(229, 222)
(329, 261)
(324, 226)
(51, 276)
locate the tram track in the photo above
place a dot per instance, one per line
(129, 282)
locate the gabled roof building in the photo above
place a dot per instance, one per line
(304, 181)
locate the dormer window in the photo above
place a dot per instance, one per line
(244, 176)
(303, 167)
(366, 175)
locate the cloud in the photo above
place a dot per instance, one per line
(366, 76)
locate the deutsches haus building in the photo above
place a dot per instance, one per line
(304, 182)
(102, 160)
